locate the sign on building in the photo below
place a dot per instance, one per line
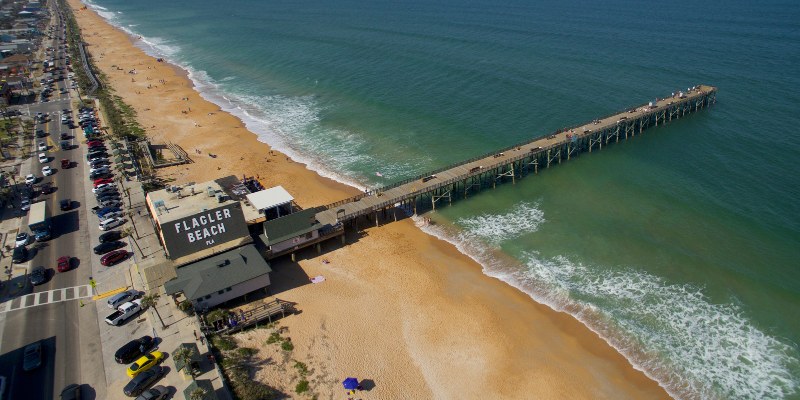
(205, 229)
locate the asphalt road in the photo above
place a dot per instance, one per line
(68, 331)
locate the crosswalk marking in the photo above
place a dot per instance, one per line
(48, 297)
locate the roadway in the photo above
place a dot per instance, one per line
(69, 331)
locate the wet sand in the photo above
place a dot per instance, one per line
(398, 307)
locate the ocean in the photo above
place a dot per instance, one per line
(680, 248)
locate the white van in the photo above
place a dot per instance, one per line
(122, 298)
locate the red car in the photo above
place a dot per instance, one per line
(102, 181)
(114, 257)
(94, 142)
(64, 264)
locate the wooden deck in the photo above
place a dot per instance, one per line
(515, 160)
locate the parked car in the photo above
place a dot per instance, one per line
(134, 349)
(95, 156)
(142, 381)
(42, 146)
(112, 212)
(38, 275)
(47, 171)
(109, 216)
(65, 204)
(72, 392)
(104, 187)
(145, 362)
(104, 248)
(122, 298)
(155, 393)
(64, 263)
(101, 175)
(114, 257)
(20, 255)
(65, 136)
(111, 223)
(65, 163)
(32, 356)
(22, 239)
(101, 181)
(25, 204)
(110, 203)
(108, 196)
(43, 158)
(99, 169)
(30, 179)
(110, 236)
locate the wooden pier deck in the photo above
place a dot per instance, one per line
(517, 160)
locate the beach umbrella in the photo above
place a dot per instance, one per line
(350, 383)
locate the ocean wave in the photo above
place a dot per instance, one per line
(694, 348)
(495, 228)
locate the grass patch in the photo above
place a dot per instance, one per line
(224, 343)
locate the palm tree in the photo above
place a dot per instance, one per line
(197, 394)
(151, 300)
(127, 231)
(184, 355)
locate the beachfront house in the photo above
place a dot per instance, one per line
(217, 279)
(287, 234)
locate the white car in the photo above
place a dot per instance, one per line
(103, 187)
(111, 223)
(43, 158)
(25, 205)
(30, 179)
(42, 146)
(110, 216)
(47, 171)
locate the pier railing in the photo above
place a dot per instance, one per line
(494, 152)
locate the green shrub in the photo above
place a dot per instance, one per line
(224, 342)
(246, 352)
(287, 345)
(301, 368)
(274, 337)
(301, 387)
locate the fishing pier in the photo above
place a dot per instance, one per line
(437, 187)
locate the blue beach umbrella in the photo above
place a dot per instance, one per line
(350, 383)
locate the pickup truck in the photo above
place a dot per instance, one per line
(124, 312)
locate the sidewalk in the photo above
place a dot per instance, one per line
(177, 328)
(14, 276)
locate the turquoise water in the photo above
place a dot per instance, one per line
(680, 247)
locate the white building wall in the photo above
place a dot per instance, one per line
(278, 247)
(236, 291)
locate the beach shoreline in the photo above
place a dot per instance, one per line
(429, 323)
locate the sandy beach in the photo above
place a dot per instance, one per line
(398, 307)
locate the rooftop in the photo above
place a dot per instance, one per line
(177, 202)
(218, 272)
(292, 225)
(269, 198)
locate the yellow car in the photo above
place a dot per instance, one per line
(145, 362)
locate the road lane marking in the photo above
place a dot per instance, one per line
(109, 293)
(48, 297)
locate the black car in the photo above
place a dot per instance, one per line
(66, 204)
(142, 381)
(110, 236)
(104, 248)
(99, 163)
(20, 255)
(94, 156)
(101, 175)
(38, 276)
(64, 136)
(134, 349)
(71, 392)
(111, 194)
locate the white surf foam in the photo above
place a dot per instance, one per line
(672, 332)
